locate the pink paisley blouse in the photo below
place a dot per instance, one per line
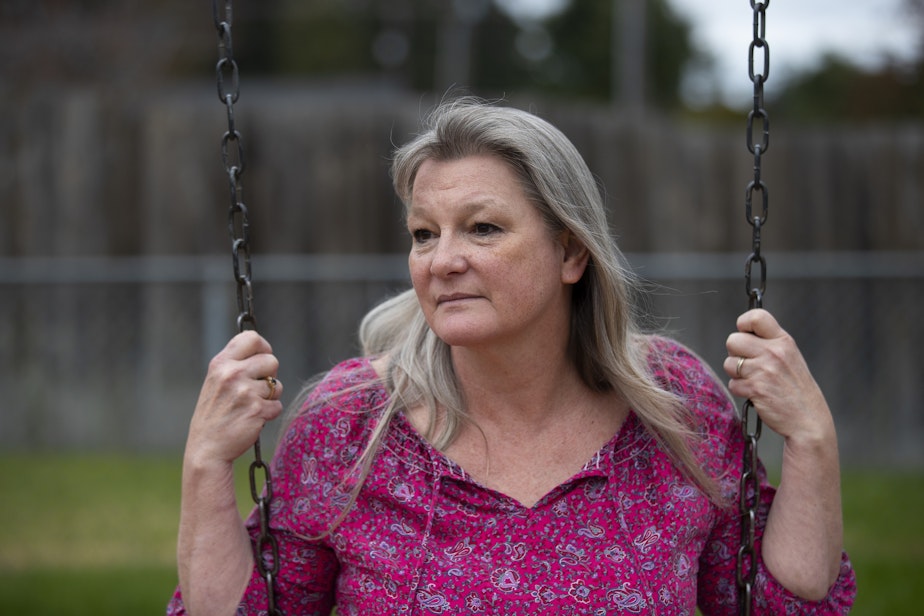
(628, 534)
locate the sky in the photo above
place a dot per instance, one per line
(799, 33)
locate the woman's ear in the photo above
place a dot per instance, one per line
(574, 258)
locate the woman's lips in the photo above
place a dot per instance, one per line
(454, 297)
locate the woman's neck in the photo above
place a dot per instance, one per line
(523, 389)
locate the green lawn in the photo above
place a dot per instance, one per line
(95, 535)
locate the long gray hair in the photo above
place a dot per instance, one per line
(606, 342)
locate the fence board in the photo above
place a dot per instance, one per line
(109, 358)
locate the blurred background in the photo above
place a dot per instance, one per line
(115, 267)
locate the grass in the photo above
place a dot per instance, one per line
(90, 534)
(885, 539)
(95, 534)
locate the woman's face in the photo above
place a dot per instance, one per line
(486, 268)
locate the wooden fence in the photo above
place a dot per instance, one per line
(115, 266)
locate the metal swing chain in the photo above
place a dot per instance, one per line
(266, 550)
(749, 489)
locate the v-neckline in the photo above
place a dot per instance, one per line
(598, 465)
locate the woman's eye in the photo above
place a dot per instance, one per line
(484, 228)
(421, 235)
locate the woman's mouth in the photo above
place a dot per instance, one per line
(453, 297)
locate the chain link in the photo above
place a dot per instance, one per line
(749, 488)
(266, 549)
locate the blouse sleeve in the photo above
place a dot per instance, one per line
(721, 453)
(308, 471)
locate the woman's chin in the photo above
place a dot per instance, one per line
(463, 336)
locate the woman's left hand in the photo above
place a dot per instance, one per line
(767, 368)
(803, 539)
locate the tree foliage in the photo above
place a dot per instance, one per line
(571, 52)
(840, 91)
(568, 55)
(582, 65)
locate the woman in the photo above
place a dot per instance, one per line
(510, 442)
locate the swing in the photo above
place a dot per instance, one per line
(749, 488)
(266, 549)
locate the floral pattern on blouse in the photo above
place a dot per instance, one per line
(628, 534)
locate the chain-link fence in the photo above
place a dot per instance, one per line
(110, 353)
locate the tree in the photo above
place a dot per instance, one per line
(581, 65)
(840, 91)
(567, 55)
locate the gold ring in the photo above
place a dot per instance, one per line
(271, 383)
(738, 367)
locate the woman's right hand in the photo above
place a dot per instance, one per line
(237, 398)
(214, 553)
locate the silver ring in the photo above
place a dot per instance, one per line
(738, 367)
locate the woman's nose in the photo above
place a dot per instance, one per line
(448, 256)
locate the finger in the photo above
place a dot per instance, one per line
(760, 323)
(270, 406)
(746, 345)
(260, 366)
(244, 375)
(272, 388)
(245, 344)
(735, 367)
(271, 411)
